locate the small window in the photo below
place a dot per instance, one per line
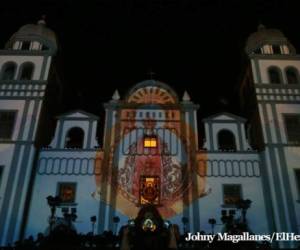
(232, 194)
(7, 121)
(74, 138)
(297, 175)
(150, 142)
(257, 51)
(67, 192)
(44, 47)
(274, 75)
(292, 76)
(25, 45)
(276, 49)
(9, 70)
(226, 140)
(26, 71)
(292, 125)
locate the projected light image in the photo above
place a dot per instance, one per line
(153, 160)
(151, 165)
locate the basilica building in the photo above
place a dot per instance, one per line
(150, 153)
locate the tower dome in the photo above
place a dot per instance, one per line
(33, 37)
(268, 41)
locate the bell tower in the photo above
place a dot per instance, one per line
(24, 71)
(270, 95)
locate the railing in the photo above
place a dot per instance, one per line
(230, 168)
(86, 166)
(67, 166)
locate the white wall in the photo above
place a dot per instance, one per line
(19, 59)
(210, 205)
(6, 155)
(293, 158)
(46, 185)
(17, 105)
(282, 109)
(282, 64)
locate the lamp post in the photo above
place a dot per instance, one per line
(227, 219)
(116, 220)
(93, 221)
(185, 221)
(244, 205)
(70, 216)
(53, 202)
(212, 222)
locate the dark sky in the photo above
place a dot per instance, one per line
(189, 44)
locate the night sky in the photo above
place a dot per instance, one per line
(189, 44)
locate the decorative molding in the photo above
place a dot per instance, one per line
(234, 118)
(67, 166)
(268, 85)
(223, 121)
(231, 168)
(16, 52)
(50, 149)
(226, 152)
(266, 101)
(66, 116)
(123, 105)
(25, 82)
(22, 90)
(275, 57)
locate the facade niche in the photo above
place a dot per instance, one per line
(26, 71)
(226, 140)
(74, 138)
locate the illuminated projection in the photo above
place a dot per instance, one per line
(150, 155)
(151, 151)
(149, 190)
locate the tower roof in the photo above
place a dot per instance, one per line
(267, 36)
(35, 32)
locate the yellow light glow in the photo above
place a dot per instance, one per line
(150, 142)
(153, 142)
(147, 143)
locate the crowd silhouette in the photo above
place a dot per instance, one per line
(63, 238)
(147, 231)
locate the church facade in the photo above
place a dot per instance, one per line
(150, 152)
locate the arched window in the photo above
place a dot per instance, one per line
(74, 138)
(276, 49)
(25, 45)
(44, 47)
(226, 140)
(257, 51)
(26, 71)
(292, 75)
(9, 70)
(274, 75)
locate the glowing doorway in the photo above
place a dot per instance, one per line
(149, 190)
